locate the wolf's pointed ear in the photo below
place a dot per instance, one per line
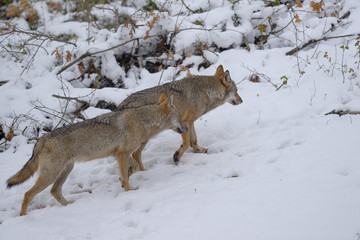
(219, 71)
(226, 80)
(162, 97)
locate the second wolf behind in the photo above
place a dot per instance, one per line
(118, 134)
(193, 96)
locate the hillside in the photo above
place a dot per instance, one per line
(284, 164)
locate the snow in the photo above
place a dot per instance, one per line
(277, 166)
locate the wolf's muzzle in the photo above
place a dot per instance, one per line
(237, 101)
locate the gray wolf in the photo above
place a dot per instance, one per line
(118, 134)
(193, 96)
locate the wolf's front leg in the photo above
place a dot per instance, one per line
(137, 156)
(123, 162)
(193, 140)
(184, 146)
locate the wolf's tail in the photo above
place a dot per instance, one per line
(27, 170)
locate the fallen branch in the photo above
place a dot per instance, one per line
(346, 15)
(77, 113)
(88, 54)
(341, 113)
(35, 35)
(312, 41)
(3, 82)
(69, 98)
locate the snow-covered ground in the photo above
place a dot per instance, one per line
(278, 168)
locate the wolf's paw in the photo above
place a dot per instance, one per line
(176, 157)
(130, 188)
(200, 149)
(127, 187)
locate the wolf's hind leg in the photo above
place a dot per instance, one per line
(56, 189)
(193, 140)
(43, 181)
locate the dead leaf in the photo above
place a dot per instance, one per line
(13, 11)
(68, 56)
(299, 4)
(188, 53)
(150, 24)
(255, 78)
(10, 135)
(32, 15)
(170, 54)
(317, 6)
(57, 54)
(147, 35)
(81, 68)
(183, 68)
(25, 5)
(54, 6)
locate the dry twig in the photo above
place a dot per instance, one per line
(312, 41)
(341, 112)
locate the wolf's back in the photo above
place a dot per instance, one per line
(142, 98)
(181, 89)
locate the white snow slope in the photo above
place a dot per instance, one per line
(278, 168)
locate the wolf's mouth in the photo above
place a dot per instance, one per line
(235, 102)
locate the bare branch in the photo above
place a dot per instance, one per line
(36, 34)
(182, 1)
(32, 58)
(341, 113)
(312, 41)
(69, 98)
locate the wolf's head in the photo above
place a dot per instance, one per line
(231, 94)
(171, 113)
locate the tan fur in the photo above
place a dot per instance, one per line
(121, 134)
(25, 173)
(219, 72)
(193, 96)
(163, 105)
(162, 97)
